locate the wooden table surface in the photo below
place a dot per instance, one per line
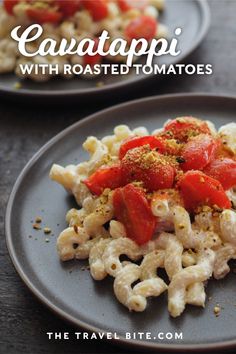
(24, 128)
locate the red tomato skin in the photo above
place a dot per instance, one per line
(223, 170)
(104, 177)
(131, 208)
(199, 152)
(97, 8)
(198, 189)
(44, 15)
(141, 27)
(126, 5)
(131, 143)
(9, 5)
(68, 7)
(183, 127)
(155, 176)
(93, 59)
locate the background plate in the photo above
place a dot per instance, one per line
(191, 15)
(68, 289)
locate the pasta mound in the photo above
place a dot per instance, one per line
(191, 248)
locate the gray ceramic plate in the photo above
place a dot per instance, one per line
(191, 15)
(69, 290)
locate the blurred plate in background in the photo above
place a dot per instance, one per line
(192, 16)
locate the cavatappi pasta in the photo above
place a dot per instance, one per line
(192, 236)
(71, 19)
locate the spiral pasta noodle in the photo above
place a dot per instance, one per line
(191, 248)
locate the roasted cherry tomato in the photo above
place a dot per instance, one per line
(224, 170)
(131, 143)
(141, 27)
(198, 152)
(199, 189)
(185, 127)
(148, 166)
(68, 7)
(92, 59)
(104, 177)
(157, 143)
(9, 5)
(44, 15)
(126, 5)
(132, 209)
(97, 8)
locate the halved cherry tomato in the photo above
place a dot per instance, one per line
(68, 7)
(148, 166)
(141, 27)
(163, 146)
(97, 8)
(92, 59)
(132, 209)
(199, 189)
(131, 143)
(44, 15)
(9, 5)
(224, 170)
(198, 152)
(104, 177)
(126, 5)
(185, 127)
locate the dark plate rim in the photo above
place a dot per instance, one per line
(206, 17)
(39, 294)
